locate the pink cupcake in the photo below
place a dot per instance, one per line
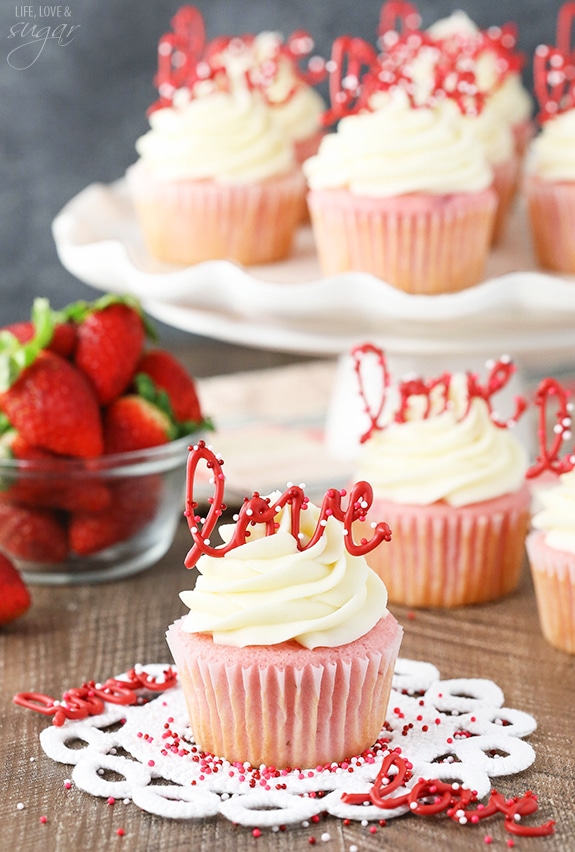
(550, 165)
(450, 479)
(402, 189)
(216, 177)
(551, 544)
(287, 654)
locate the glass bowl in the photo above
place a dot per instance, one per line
(90, 520)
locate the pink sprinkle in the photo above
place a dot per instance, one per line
(372, 829)
(43, 819)
(120, 832)
(511, 843)
(68, 785)
(488, 839)
(111, 800)
(256, 832)
(151, 762)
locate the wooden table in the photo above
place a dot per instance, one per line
(73, 633)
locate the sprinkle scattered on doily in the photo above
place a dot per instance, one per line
(456, 732)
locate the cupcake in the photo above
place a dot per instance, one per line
(402, 189)
(551, 543)
(550, 164)
(449, 477)
(216, 178)
(287, 654)
(497, 70)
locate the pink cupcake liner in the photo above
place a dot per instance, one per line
(284, 705)
(441, 556)
(418, 243)
(553, 573)
(505, 183)
(187, 222)
(551, 212)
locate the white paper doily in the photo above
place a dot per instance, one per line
(451, 730)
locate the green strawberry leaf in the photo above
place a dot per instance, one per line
(16, 356)
(78, 311)
(147, 388)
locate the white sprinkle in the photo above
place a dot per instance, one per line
(326, 836)
(275, 828)
(305, 823)
(206, 541)
(558, 428)
(566, 435)
(462, 820)
(249, 511)
(353, 848)
(323, 522)
(32, 759)
(20, 806)
(127, 801)
(364, 822)
(302, 486)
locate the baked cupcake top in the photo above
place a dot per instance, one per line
(399, 149)
(439, 440)
(287, 569)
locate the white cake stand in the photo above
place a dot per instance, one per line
(290, 307)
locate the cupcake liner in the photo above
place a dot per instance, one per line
(553, 573)
(187, 222)
(443, 556)
(523, 133)
(418, 243)
(505, 183)
(285, 705)
(551, 212)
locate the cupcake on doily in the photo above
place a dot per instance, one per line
(550, 165)
(402, 189)
(216, 177)
(449, 477)
(287, 654)
(551, 543)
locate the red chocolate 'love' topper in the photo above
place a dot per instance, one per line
(554, 81)
(565, 19)
(186, 58)
(262, 510)
(551, 391)
(398, 16)
(436, 402)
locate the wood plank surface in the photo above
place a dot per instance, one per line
(74, 633)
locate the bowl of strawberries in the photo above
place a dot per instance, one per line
(95, 424)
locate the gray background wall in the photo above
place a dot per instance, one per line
(72, 116)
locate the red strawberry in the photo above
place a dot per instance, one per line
(134, 504)
(170, 376)
(111, 334)
(35, 535)
(49, 482)
(134, 423)
(63, 339)
(15, 597)
(53, 406)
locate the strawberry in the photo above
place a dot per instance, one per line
(35, 535)
(134, 423)
(52, 405)
(111, 334)
(170, 376)
(47, 481)
(63, 340)
(15, 598)
(133, 505)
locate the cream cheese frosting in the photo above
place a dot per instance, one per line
(297, 106)
(266, 591)
(229, 137)
(557, 517)
(449, 456)
(551, 155)
(398, 149)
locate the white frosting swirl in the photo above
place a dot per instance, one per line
(457, 459)
(267, 591)
(398, 149)
(228, 137)
(557, 517)
(551, 155)
(494, 134)
(511, 100)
